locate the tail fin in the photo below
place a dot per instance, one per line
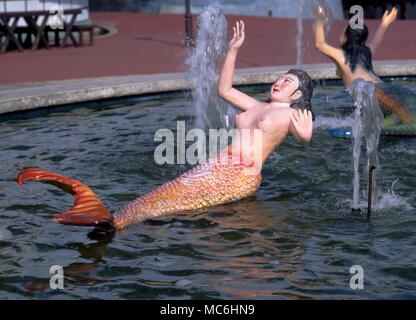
(87, 210)
(389, 103)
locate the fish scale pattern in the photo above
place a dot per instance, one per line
(217, 181)
(398, 104)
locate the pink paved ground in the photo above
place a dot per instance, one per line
(149, 44)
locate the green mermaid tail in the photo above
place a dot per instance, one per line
(393, 127)
(398, 104)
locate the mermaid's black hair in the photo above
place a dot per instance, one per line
(306, 87)
(355, 50)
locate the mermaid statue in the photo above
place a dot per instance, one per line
(224, 177)
(354, 60)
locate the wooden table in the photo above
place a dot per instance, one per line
(8, 24)
(8, 28)
(69, 27)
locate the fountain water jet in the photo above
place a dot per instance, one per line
(325, 5)
(368, 121)
(202, 72)
(299, 34)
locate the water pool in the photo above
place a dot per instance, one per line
(295, 239)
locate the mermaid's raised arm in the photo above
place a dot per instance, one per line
(225, 86)
(387, 19)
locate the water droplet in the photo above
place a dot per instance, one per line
(183, 283)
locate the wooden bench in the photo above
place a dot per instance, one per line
(37, 27)
(80, 29)
(85, 28)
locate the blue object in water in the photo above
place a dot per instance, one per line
(341, 133)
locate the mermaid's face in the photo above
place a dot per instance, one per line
(285, 89)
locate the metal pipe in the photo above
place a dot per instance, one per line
(189, 39)
(370, 191)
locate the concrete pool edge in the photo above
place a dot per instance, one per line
(28, 96)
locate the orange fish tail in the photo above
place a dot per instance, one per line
(389, 104)
(87, 210)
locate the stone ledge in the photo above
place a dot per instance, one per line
(28, 96)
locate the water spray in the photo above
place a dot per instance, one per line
(368, 121)
(204, 58)
(370, 191)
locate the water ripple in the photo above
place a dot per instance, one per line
(296, 239)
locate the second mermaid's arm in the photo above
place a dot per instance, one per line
(387, 19)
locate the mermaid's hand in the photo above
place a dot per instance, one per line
(301, 125)
(389, 17)
(320, 13)
(238, 37)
